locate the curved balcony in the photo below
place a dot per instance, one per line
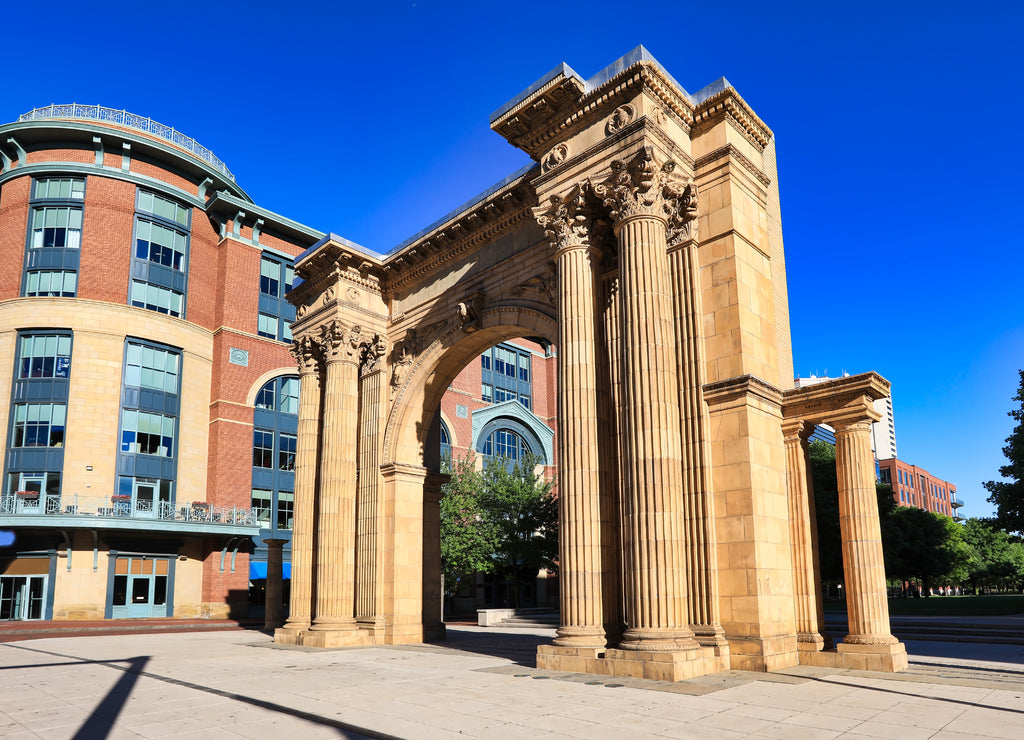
(130, 120)
(114, 512)
(955, 501)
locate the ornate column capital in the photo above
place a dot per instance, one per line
(644, 188)
(340, 343)
(372, 354)
(564, 220)
(305, 351)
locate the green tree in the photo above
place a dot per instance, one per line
(1008, 495)
(502, 520)
(926, 546)
(826, 505)
(466, 539)
(522, 515)
(995, 560)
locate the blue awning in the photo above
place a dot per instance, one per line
(258, 570)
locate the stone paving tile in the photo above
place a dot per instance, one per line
(822, 722)
(783, 731)
(876, 728)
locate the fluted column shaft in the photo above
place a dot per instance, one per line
(335, 597)
(810, 615)
(579, 490)
(657, 612)
(863, 562)
(307, 444)
(702, 570)
(368, 507)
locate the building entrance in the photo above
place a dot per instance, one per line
(140, 588)
(22, 597)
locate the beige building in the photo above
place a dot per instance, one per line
(646, 245)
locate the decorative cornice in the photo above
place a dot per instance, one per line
(730, 151)
(538, 121)
(728, 105)
(740, 391)
(841, 401)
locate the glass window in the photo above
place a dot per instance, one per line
(265, 397)
(485, 362)
(45, 356)
(286, 452)
(56, 227)
(156, 298)
(60, 283)
(524, 368)
(267, 326)
(505, 443)
(146, 433)
(151, 367)
(289, 396)
(280, 394)
(270, 277)
(525, 400)
(36, 482)
(262, 449)
(159, 244)
(285, 509)
(62, 188)
(163, 207)
(487, 392)
(262, 502)
(39, 425)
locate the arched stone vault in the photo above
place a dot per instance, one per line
(646, 245)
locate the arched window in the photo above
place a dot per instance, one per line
(446, 442)
(505, 443)
(275, 426)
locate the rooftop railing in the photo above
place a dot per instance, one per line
(130, 120)
(114, 507)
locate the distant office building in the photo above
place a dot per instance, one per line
(914, 486)
(883, 431)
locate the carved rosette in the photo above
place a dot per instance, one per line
(306, 352)
(644, 187)
(564, 220)
(620, 118)
(372, 355)
(558, 154)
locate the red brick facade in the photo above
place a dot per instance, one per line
(914, 486)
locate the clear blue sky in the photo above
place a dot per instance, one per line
(899, 169)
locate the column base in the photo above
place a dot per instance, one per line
(712, 636)
(763, 653)
(882, 658)
(580, 637)
(289, 635)
(337, 638)
(813, 642)
(677, 665)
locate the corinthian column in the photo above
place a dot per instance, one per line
(863, 563)
(369, 527)
(300, 606)
(336, 532)
(579, 489)
(701, 557)
(810, 615)
(654, 538)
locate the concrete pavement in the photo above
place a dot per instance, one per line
(480, 683)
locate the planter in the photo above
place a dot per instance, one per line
(120, 499)
(27, 495)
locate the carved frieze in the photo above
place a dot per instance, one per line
(544, 287)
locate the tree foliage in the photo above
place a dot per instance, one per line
(502, 520)
(925, 546)
(1008, 495)
(995, 560)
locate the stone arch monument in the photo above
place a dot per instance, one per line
(646, 245)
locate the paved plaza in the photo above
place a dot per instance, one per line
(479, 683)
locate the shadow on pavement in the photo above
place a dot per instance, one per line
(518, 647)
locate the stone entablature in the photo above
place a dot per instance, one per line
(646, 245)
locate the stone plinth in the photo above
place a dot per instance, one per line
(676, 665)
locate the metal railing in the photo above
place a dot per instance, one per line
(130, 120)
(115, 508)
(956, 502)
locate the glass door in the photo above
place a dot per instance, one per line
(22, 597)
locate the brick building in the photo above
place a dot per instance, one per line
(150, 425)
(914, 486)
